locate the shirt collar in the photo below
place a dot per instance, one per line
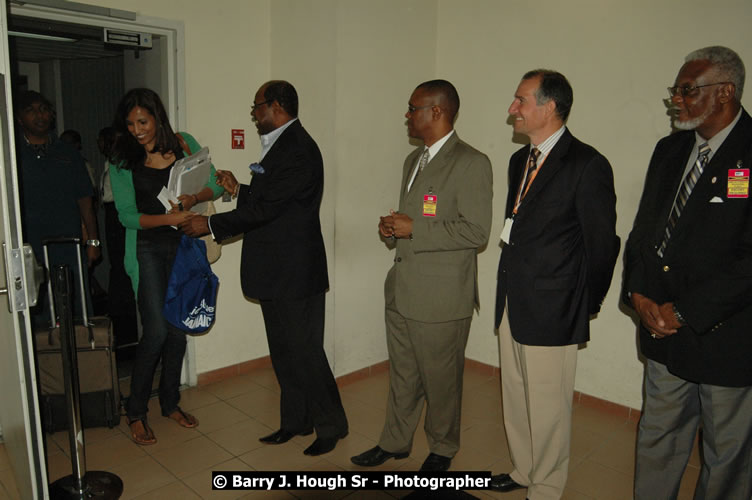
(546, 146)
(268, 140)
(716, 141)
(433, 150)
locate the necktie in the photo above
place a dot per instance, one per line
(686, 189)
(532, 164)
(421, 165)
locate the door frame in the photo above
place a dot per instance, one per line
(22, 432)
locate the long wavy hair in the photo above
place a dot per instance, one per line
(127, 152)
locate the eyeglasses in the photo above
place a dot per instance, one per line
(412, 109)
(690, 90)
(257, 104)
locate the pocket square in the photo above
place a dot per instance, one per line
(716, 199)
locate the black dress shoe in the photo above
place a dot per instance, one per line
(376, 456)
(283, 436)
(323, 445)
(435, 463)
(504, 483)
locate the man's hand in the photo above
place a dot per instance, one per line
(386, 226)
(196, 226)
(667, 313)
(659, 320)
(402, 225)
(227, 180)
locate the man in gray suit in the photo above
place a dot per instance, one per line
(444, 218)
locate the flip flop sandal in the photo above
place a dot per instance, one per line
(144, 435)
(183, 419)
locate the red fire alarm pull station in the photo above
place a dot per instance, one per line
(238, 138)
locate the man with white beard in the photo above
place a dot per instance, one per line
(688, 275)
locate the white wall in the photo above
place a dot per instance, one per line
(355, 63)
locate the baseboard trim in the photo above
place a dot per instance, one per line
(580, 398)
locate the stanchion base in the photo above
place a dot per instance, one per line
(96, 484)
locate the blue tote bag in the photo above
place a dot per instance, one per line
(191, 297)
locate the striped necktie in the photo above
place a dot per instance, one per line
(532, 164)
(686, 189)
(421, 165)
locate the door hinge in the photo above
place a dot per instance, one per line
(15, 261)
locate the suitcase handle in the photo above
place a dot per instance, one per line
(82, 292)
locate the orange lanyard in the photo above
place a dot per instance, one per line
(520, 194)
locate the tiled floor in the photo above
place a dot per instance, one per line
(234, 413)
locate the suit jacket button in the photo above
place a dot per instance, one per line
(666, 269)
(399, 259)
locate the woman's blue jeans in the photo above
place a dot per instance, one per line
(160, 340)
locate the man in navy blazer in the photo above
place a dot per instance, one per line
(283, 265)
(559, 251)
(688, 274)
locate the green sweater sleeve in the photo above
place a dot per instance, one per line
(125, 202)
(125, 197)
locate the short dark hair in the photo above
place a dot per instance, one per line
(127, 150)
(71, 137)
(553, 85)
(284, 93)
(29, 97)
(446, 90)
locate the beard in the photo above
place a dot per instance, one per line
(693, 123)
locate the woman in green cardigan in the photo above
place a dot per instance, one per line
(144, 154)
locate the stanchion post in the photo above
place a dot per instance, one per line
(62, 288)
(80, 484)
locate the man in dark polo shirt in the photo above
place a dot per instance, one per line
(56, 193)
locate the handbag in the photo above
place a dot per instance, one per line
(191, 297)
(213, 248)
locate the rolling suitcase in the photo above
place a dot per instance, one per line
(97, 368)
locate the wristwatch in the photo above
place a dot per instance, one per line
(678, 315)
(92, 243)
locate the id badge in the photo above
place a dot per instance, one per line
(738, 183)
(506, 231)
(429, 205)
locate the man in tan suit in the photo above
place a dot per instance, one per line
(444, 218)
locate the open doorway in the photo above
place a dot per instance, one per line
(84, 63)
(84, 70)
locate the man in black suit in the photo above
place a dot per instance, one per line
(556, 264)
(283, 264)
(688, 274)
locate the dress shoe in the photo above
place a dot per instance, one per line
(504, 483)
(323, 445)
(283, 436)
(376, 456)
(435, 463)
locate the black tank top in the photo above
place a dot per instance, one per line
(147, 183)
